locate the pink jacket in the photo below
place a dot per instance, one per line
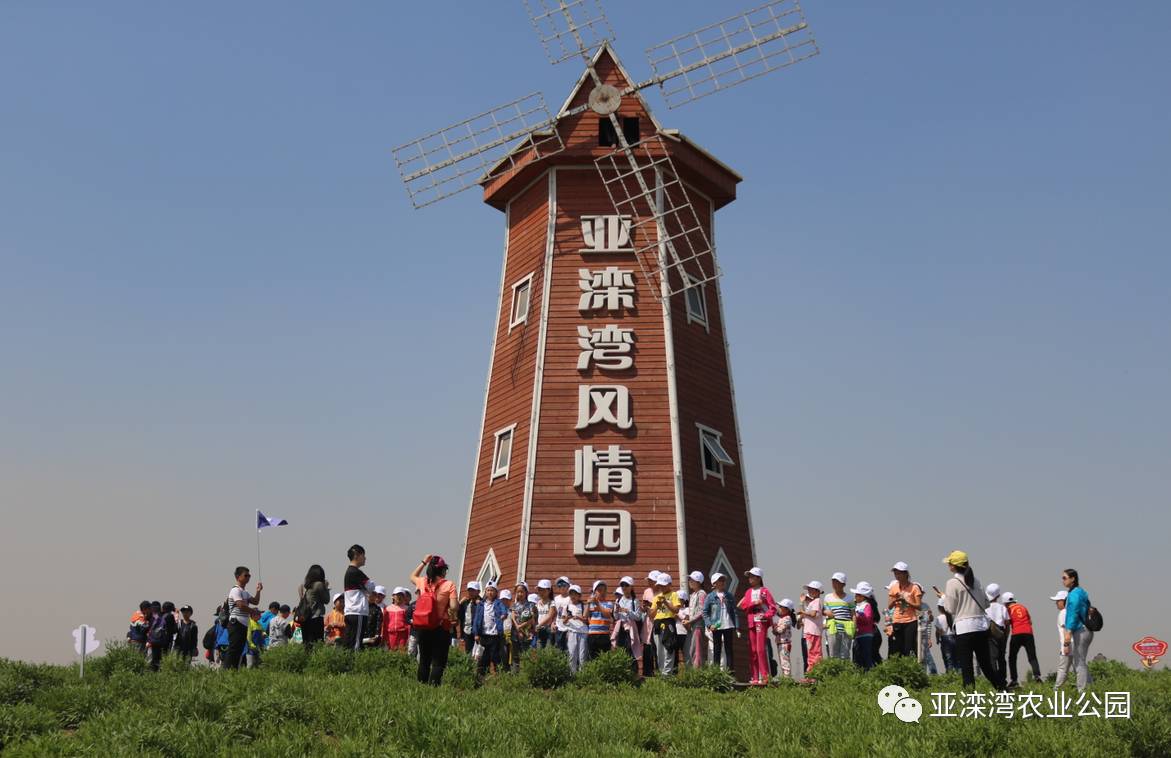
(761, 613)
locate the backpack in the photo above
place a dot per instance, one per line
(426, 615)
(157, 634)
(209, 638)
(225, 611)
(1093, 620)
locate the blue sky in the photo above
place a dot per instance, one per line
(946, 281)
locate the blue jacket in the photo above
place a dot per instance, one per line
(1077, 605)
(711, 610)
(498, 608)
(221, 635)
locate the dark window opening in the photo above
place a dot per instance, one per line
(608, 138)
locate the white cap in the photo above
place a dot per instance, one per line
(839, 576)
(533, 598)
(379, 590)
(992, 591)
(506, 594)
(940, 603)
(575, 588)
(400, 591)
(521, 583)
(621, 592)
(653, 575)
(598, 583)
(565, 579)
(1061, 595)
(863, 588)
(754, 571)
(813, 585)
(717, 576)
(684, 595)
(1007, 597)
(663, 580)
(336, 595)
(474, 586)
(627, 580)
(490, 584)
(786, 603)
(544, 584)
(900, 566)
(696, 576)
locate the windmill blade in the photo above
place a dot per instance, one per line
(731, 52)
(672, 246)
(569, 28)
(483, 147)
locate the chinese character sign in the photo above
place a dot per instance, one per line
(601, 532)
(606, 234)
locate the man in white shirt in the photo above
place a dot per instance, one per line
(239, 615)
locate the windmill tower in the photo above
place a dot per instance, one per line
(609, 443)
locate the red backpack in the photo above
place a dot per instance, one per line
(426, 615)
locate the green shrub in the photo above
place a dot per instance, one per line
(119, 657)
(614, 668)
(902, 670)
(175, 665)
(288, 658)
(830, 668)
(381, 661)
(1106, 670)
(548, 669)
(23, 720)
(330, 659)
(708, 677)
(73, 703)
(461, 671)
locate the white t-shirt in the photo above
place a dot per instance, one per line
(941, 622)
(490, 619)
(235, 595)
(1061, 631)
(725, 622)
(998, 613)
(560, 603)
(577, 626)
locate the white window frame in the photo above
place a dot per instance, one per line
(722, 565)
(498, 470)
(490, 567)
(701, 288)
(513, 319)
(708, 435)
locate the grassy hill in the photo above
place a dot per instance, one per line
(334, 703)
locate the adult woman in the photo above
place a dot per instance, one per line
(904, 598)
(312, 606)
(1076, 637)
(433, 617)
(965, 601)
(759, 607)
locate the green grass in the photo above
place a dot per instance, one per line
(295, 706)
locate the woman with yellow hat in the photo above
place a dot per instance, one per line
(964, 599)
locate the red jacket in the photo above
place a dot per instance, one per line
(765, 610)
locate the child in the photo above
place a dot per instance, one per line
(467, 611)
(335, 620)
(628, 617)
(1064, 654)
(946, 638)
(488, 628)
(187, 635)
(139, 625)
(505, 604)
(759, 607)
(280, 627)
(599, 619)
(839, 614)
(544, 614)
(681, 619)
(719, 615)
(372, 627)
(576, 627)
(1022, 636)
(696, 642)
(394, 620)
(812, 623)
(926, 623)
(666, 605)
(524, 621)
(256, 638)
(782, 628)
(866, 625)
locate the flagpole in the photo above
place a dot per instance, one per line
(259, 576)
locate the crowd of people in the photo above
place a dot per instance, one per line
(976, 627)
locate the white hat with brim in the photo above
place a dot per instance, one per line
(335, 597)
(717, 576)
(1061, 595)
(575, 588)
(506, 594)
(696, 576)
(663, 580)
(653, 575)
(787, 603)
(627, 580)
(863, 589)
(400, 591)
(992, 591)
(684, 595)
(533, 598)
(1007, 597)
(839, 576)
(379, 590)
(599, 583)
(620, 592)
(900, 566)
(544, 584)
(754, 571)
(474, 586)
(813, 585)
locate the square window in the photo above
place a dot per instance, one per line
(521, 297)
(696, 301)
(713, 456)
(502, 452)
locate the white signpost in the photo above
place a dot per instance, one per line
(85, 641)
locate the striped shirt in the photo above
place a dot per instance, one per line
(599, 624)
(840, 609)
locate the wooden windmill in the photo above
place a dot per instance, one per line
(609, 443)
